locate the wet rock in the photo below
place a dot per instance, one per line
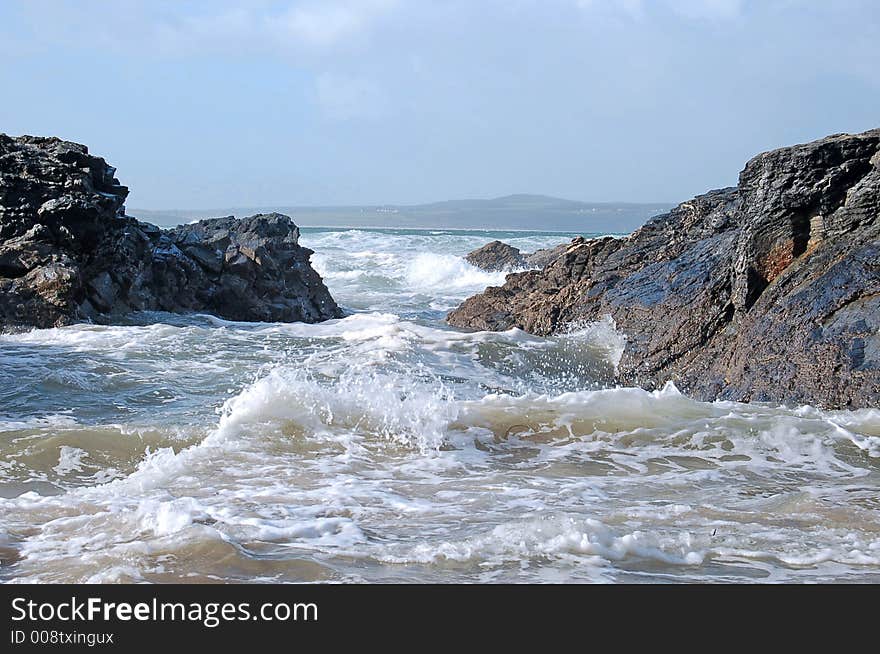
(68, 251)
(497, 257)
(766, 291)
(501, 257)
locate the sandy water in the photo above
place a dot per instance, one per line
(386, 446)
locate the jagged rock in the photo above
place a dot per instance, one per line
(541, 258)
(769, 291)
(69, 253)
(501, 257)
(497, 257)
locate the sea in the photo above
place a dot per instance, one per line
(387, 446)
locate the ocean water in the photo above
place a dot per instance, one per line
(387, 446)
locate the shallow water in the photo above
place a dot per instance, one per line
(386, 446)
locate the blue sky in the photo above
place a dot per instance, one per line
(221, 104)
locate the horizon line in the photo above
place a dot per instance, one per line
(405, 205)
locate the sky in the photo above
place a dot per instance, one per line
(333, 102)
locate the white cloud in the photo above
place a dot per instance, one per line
(295, 26)
(298, 25)
(326, 23)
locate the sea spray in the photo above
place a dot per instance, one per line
(386, 446)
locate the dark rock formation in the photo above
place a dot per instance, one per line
(769, 291)
(497, 257)
(501, 257)
(69, 253)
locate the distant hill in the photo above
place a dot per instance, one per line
(521, 211)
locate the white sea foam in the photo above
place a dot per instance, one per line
(37, 423)
(229, 485)
(382, 271)
(587, 540)
(435, 272)
(70, 459)
(602, 335)
(386, 446)
(385, 405)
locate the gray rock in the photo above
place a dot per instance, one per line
(542, 258)
(501, 257)
(769, 291)
(69, 253)
(497, 257)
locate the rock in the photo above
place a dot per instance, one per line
(501, 257)
(541, 258)
(769, 291)
(497, 257)
(68, 251)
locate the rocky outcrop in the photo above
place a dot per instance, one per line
(769, 291)
(542, 258)
(497, 257)
(69, 253)
(501, 257)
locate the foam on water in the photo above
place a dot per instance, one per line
(385, 446)
(407, 271)
(432, 272)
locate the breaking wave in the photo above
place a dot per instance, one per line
(385, 446)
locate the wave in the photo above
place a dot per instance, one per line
(588, 541)
(442, 272)
(378, 404)
(388, 446)
(388, 271)
(315, 463)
